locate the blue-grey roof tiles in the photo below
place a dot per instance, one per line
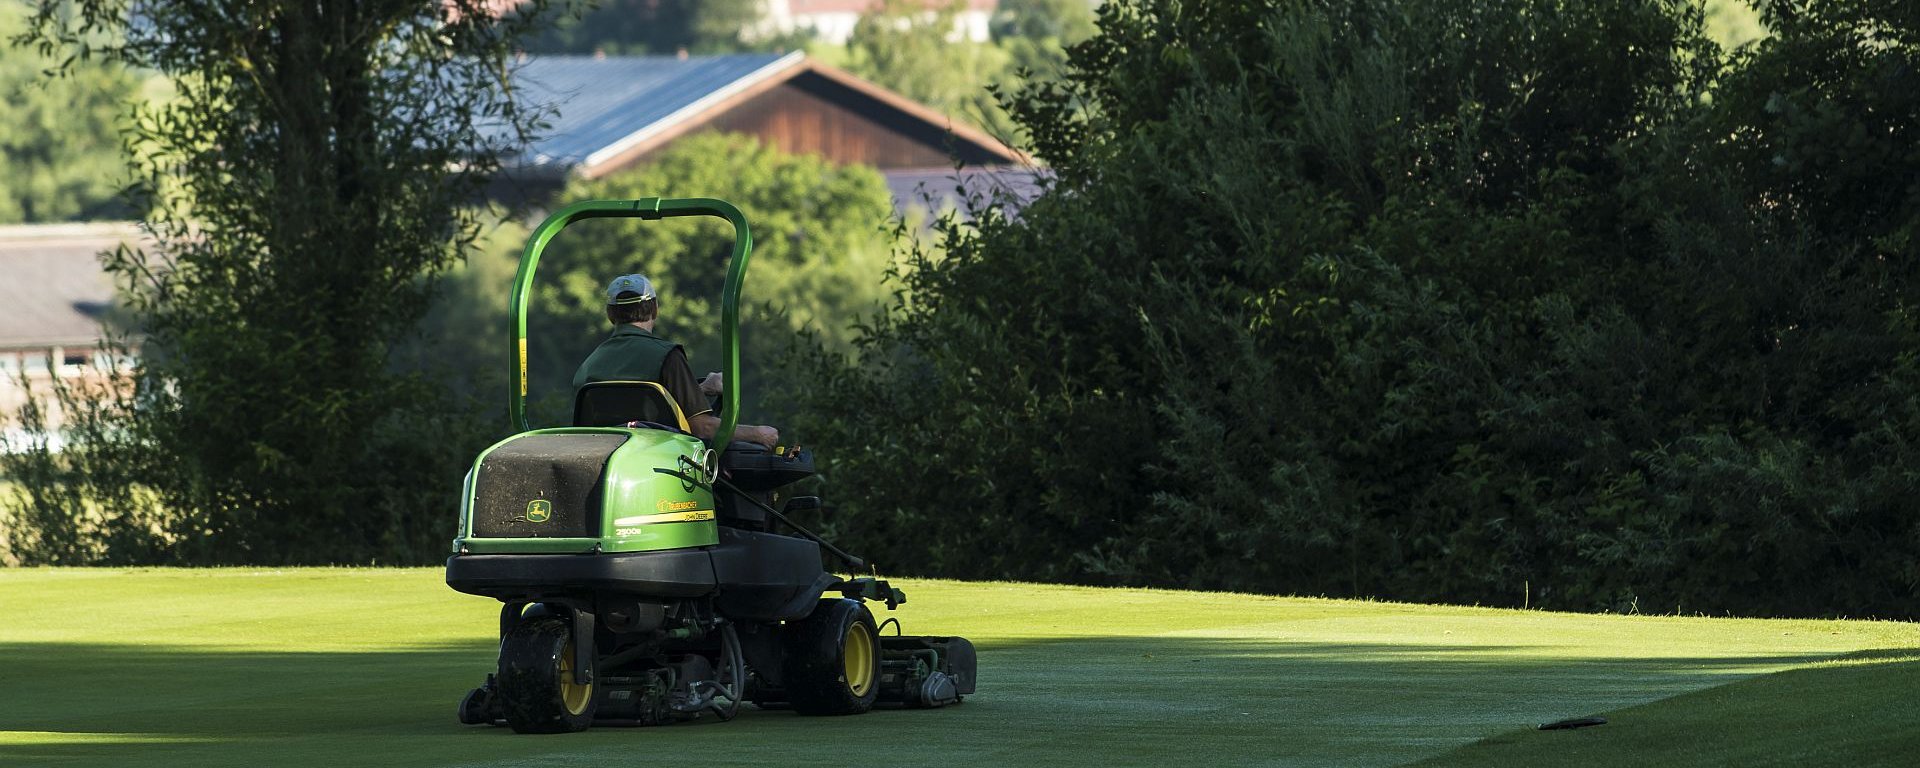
(605, 104)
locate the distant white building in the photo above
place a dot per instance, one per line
(832, 21)
(56, 297)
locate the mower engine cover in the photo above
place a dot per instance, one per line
(588, 489)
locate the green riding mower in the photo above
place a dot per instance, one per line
(645, 575)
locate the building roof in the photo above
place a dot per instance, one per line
(606, 104)
(51, 283)
(613, 108)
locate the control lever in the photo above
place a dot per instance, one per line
(855, 563)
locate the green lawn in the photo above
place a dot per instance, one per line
(343, 667)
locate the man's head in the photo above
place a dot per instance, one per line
(630, 299)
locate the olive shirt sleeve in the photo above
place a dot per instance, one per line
(677, 377)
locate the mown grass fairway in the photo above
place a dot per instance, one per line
(346, 667)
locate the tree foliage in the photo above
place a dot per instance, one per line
(917, 48)
(911, 46)
(642, 27)
(1497, 301)
(60, 156)
(1036, 34)
(1733, 23)
(306, 184)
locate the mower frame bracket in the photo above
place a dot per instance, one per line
(583, 649)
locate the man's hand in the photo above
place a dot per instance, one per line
(767, 436)
(710, 385)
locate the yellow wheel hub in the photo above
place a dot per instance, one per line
(573, 695)
(859, 657)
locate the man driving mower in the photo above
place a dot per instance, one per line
(644, 575)
(634, 353)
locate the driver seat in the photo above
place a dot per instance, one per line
(619, 403)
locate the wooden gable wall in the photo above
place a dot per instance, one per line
(811, 114)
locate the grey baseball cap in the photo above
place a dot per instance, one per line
(629, 283)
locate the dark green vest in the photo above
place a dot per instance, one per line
(630, 354)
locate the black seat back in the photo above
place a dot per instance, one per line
(615, 403)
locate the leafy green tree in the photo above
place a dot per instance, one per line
(60, 156)
(1036, 33)
(909, 46)
(641, 27)
(1070, 21)
(310, 179)
(1733, 23)
(1497, 301)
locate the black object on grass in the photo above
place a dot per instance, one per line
(1572, 722)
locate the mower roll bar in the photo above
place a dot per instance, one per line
(649, 208)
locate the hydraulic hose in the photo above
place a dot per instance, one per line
(737, 668)
(735, 664)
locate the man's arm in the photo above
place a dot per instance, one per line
(704, 425)
(677, 377)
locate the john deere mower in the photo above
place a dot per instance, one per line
(646, 576)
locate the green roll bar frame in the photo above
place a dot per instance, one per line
(649, 208)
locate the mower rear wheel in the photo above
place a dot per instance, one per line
(833, 659)
(537, 691)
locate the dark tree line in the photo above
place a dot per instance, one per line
(1493, 301)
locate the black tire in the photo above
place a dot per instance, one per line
(477, 707)
(833, 659)
(537, 692)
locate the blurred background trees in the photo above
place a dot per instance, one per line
(1037, 33)
(909, 46)
(648, 27)
(61, 149)
(60, 157)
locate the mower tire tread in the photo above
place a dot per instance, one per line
(816, 674)
(531, 671)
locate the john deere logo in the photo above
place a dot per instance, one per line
(539, 510)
